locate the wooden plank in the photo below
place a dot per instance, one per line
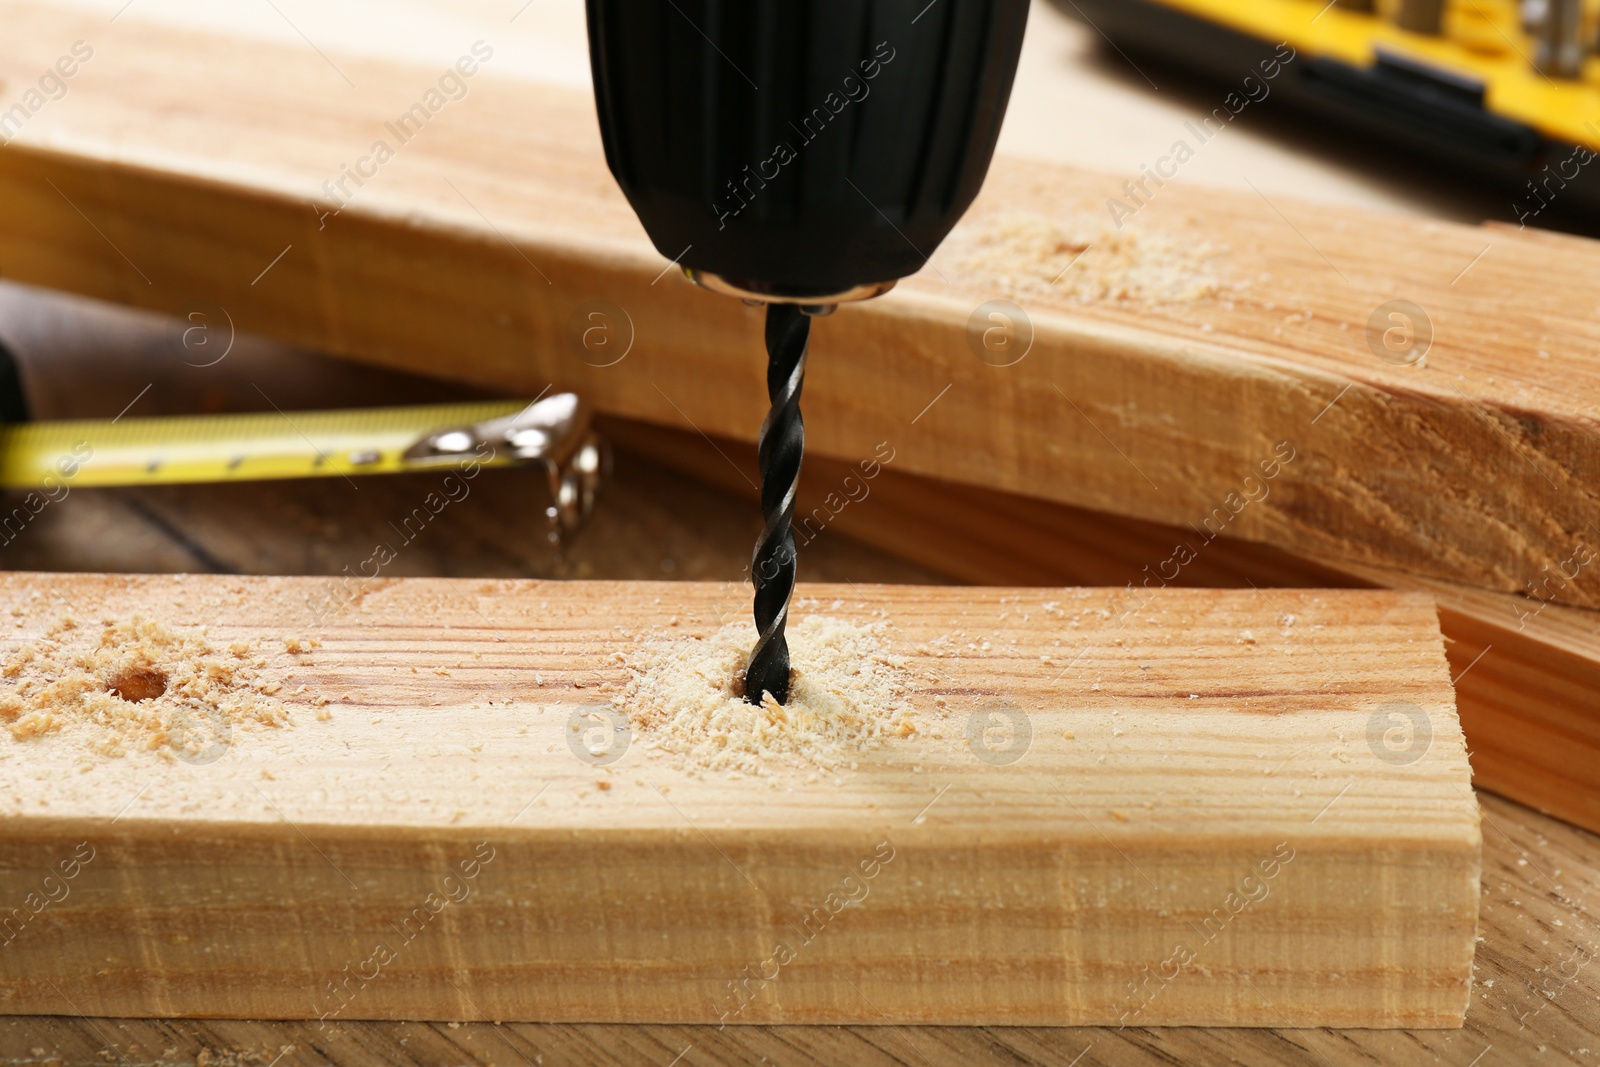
(1526, 671)
(1522, 1002)
(1172, 754)
(478, 243)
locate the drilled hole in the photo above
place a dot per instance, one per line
(138, 684)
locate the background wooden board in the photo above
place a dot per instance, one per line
(482, 239)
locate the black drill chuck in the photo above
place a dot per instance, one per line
(808, 149)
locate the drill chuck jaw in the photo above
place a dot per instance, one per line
(754, 292)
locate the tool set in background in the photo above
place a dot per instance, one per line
(798, 154)
(1506, 91)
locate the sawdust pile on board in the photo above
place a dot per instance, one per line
(136, 684)
(1083, 259)
(847, 694)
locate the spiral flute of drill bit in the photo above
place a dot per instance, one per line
(783, 439)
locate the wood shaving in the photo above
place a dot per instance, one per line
(135, 683)
(1082, 259)
(847, 694)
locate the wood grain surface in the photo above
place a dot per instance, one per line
(1536, 997)
(1534, 1000)
(1526, 671)
(484, 239)
(1194, 803)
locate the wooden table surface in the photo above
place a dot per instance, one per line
(1536, 999)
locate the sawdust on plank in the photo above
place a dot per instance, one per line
(847, 694)
(137, 684)
(1082, 259)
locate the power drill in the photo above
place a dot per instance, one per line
(798, 154)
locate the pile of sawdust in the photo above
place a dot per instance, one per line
(1082, 259)
(847, 693)
(137, 684)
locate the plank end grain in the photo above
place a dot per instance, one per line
(1190, 808)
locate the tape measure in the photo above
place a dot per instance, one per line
(229, 448)
(553, 433)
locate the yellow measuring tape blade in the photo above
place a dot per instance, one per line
(224, 448)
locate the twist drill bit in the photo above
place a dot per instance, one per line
(782, 443)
